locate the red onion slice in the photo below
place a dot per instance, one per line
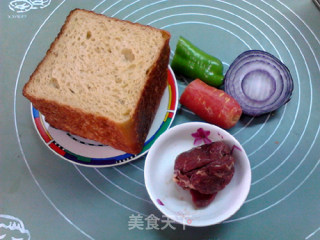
(259, 81)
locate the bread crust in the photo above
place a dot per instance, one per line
(151, 97)
(128, 136)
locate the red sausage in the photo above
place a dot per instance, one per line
(211, 104)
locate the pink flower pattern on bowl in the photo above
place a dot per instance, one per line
(201, 135)
(160, 202)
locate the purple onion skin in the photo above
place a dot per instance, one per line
(252, 62)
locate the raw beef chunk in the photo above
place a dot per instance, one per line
(204, 170)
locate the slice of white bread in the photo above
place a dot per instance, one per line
(102, 79)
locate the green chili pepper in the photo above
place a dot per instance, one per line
(192, 62)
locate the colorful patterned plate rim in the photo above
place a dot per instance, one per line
(89, 153)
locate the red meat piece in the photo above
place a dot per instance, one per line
(206, 169)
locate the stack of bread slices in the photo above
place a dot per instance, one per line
(102, 79)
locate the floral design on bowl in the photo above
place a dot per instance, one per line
(176, 203)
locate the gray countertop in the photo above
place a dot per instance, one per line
(45, 197)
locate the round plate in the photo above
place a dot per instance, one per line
(89, 153)
(175, 202)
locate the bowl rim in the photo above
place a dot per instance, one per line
(177, 128)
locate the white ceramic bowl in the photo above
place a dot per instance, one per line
(175, 202)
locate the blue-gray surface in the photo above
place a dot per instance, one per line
(49, 198)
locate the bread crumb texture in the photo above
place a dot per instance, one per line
(98, 64)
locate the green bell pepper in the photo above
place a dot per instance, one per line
(192, 62)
